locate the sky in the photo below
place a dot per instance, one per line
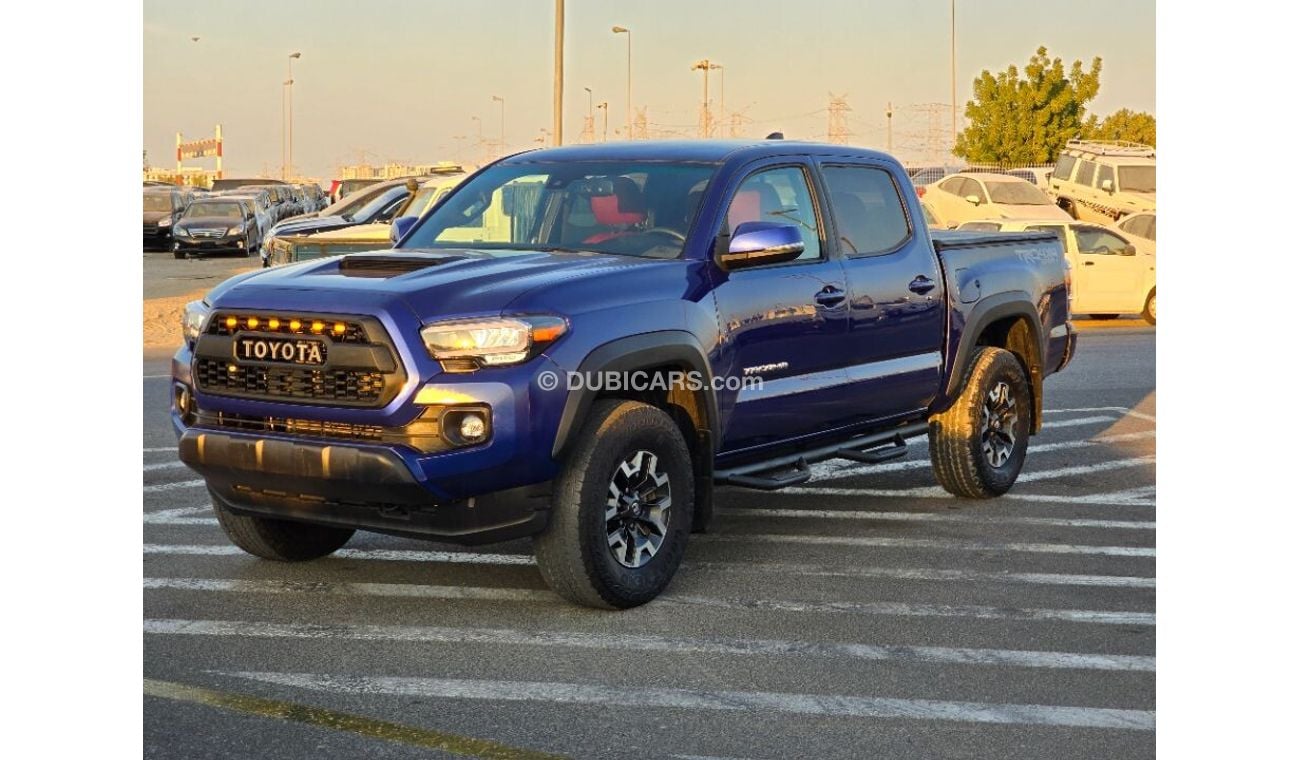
(401, 80)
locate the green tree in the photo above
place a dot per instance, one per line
(1027, 120)
(1134, 126)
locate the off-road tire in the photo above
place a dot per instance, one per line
(574, 552)
(279, 540)
(956, 436)
(1149, 309)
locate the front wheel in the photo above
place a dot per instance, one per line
(279, 540)
(978, 445)
(1149, 311)
(621, 509)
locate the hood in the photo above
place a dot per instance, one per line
(365, 232)
(431, 283)
(152, 217)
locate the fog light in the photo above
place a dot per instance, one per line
(184, 402)
(473, 427)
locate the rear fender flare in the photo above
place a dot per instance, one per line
(988, 311)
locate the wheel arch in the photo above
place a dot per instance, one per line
(1006, 321)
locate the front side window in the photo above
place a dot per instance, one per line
(953, 185)
(1064, 165)
(1097, 240)
(630, 208)
(1105, 172)
(869, 214)
(778, 195)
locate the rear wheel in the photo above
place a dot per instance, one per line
(279, 540)
(621, 509)
(1149, 311)
(977, 446)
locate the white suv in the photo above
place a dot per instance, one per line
(1102, 181)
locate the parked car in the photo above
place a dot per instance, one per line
(1114, 270)
(216, 225)
(375, 205)
(931, 220)
(969, 196)
(764, 305)
(261, 200)
(1140, 229)
(234, 182)
(162, 207)
(1102, 181)
(286, 249)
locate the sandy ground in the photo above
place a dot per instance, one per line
(162, 321)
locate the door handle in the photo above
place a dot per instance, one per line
(829, 296)
(921, 285)
(1089, 263)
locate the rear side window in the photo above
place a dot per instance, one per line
(868, 211)
(1064, 165)
(1087, 170)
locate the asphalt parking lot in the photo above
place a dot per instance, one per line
(867, 614)
(166, 275)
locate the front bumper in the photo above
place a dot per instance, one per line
(370, 488)
(157, 237)
(229, 244)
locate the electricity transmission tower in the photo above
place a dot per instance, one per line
(837, 120)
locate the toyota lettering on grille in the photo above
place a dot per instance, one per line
(281, 350)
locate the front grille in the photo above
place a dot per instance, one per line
(306, 384)
(208, 233)
(361, 369)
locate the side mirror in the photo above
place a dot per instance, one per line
(973, 200)
(758, 243)
(1128, 250)
(401, 226)
(1108, 185)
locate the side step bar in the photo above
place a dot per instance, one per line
(793, 469)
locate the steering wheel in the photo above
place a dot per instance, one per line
(679, 237)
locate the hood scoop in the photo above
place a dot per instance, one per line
(387, 266)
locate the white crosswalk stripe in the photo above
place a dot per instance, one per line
(829, 705)
(645, 643)
(932, 543)
(901, 609)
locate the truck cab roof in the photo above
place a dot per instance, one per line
(709, 151)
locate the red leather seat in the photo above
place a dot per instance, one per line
(624, 208)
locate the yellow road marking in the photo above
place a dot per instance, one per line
(341, 721)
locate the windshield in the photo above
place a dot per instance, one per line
(227, 210)
(376, 204)
(1016, 194)
(420, 203)
(157, 202)
(619, 207)
(1137, 179)
(350, 203)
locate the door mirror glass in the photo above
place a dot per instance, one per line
(973, 200)
(1108, 185)
(401, 225)
(1128, 250)
(758, 243)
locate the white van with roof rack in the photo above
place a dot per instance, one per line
(1098, 181)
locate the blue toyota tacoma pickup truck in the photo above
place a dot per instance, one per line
(579, 343)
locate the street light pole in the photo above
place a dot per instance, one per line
(628, 32)
(557, 104)
(502, 101)
(953, 57)
(284, 127)
(292, 56)
(604, 106)
(722, 88)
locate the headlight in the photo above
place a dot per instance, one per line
(234, 230)
(181, 231)
(166, 221)
(467, 344)
(192, 319)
